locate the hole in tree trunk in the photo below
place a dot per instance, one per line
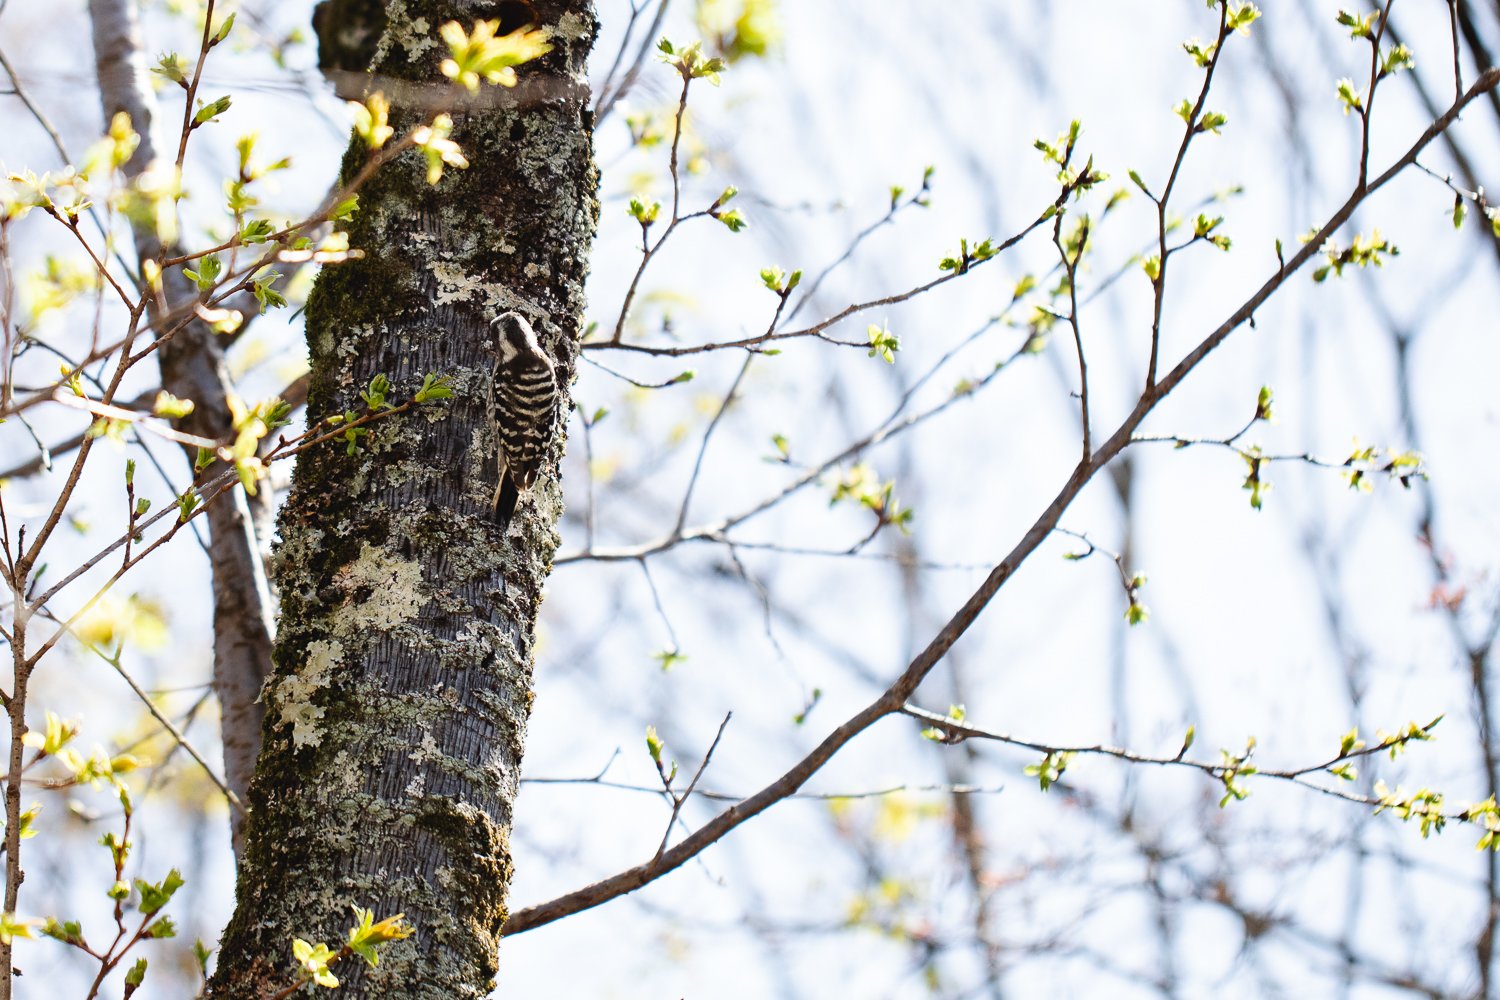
(514, 14)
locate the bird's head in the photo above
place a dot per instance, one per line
(512, 335)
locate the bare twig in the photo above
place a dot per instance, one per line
(607, 99)
(1159, 280)
(679, 799)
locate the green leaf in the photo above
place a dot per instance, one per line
(1359, 26)
(368, 933)
(1350, 742)
(643, 213)
(1202, 54)
(12, 927)
(168, 405)
(207, 273)
(27, 824)
(155, 896)
(265, 294)
(1211, 121)
(208, 112)
(733, 220)
(162, 927)
(257, 232)
(345, 209)
(372, 120)
(437, 148)
(169, 65)
(481, 55)
(666, 659)
(1050, 769)
(1396, 59)
(1263, 405)
(68, 932)
(1254, 482)
(1349, 96)
(433, 387)
(314, 960)
(375, 395)
(1241, 16)
(883, 343)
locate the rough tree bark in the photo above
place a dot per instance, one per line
(402, 684)
(192, 367)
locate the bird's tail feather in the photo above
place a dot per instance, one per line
(506, 498)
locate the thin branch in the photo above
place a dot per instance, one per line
(955, 731)
(648, 249)
(678, 800)
(661, 610)
(1159, 280)
(1070, 263)
(648, 40)
(717, 796)
(192, 87)
(708, 434)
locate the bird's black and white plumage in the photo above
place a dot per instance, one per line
(523, 406)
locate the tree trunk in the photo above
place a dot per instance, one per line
(397, 709)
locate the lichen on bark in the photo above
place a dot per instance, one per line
(397, 710)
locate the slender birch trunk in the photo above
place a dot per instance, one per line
(192, 367)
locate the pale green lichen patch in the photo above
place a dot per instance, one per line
(412, 35)
(299, 713)
(293, 694)
(409, 470)
(382, 592)
(571, 27)
(393, 589)
(426, 750)
(456, 284)
(474, 641)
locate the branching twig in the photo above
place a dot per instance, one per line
(894, 698)
(679, 799)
